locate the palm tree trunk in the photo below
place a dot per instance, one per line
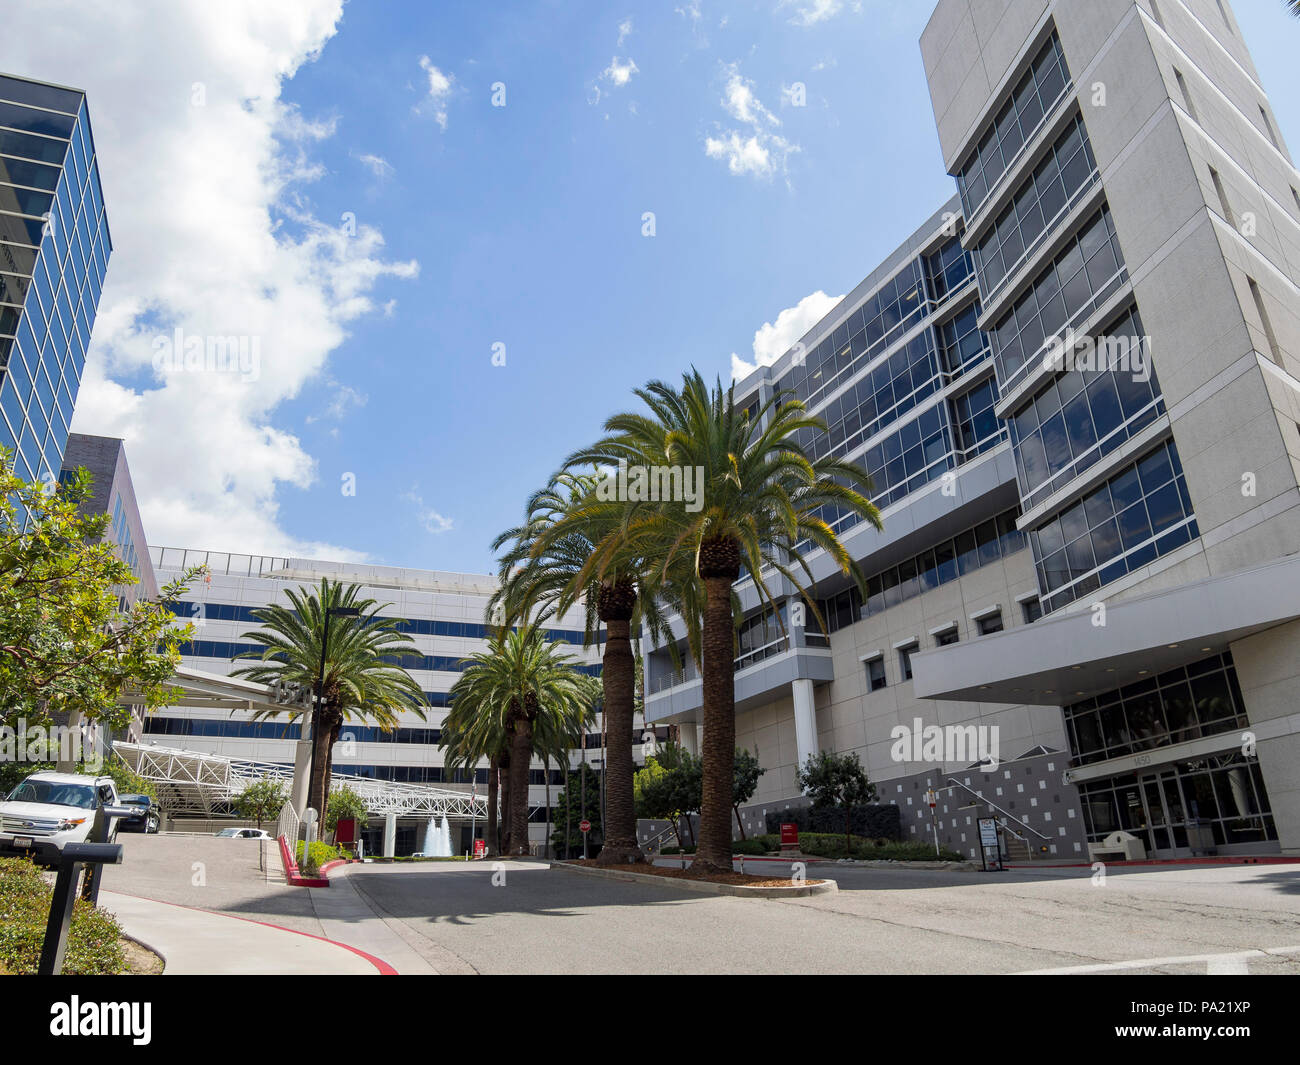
(491, 830)
(618, 676)
(503, 832)
(322, 734)
(521, 754)
(329, 772)
(713, 850)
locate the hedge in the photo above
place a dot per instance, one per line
(94, 939)
(874, 821)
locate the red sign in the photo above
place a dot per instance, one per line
(346, 830)
(789, 835)
(480, 848)
(584, 826)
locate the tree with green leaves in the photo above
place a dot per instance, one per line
(836, 781)
(671, 790)
(566, 834)
(345, 803)
(525, 688)
(546, 569)
(746, 771)
(67, 648)
(349, 660)
(261, 800)
(762, 500)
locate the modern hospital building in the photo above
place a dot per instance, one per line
(1088, 570)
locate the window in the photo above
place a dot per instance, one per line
(1032, 610)
(1187, 96)
(989, 624)
(1265, 321)
(905, 660)
(946, 639)
(875, 674)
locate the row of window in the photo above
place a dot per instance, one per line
(875, 667)
(1083, 415)
(46, 352)
(978, 546)
(1182, 704)
(230, 649)
(1056, 182)
(1087, 271)
(1140, 514)
(883, 317)
(421, 627)
(120, 533)
(1223, 793)
(1034, 97)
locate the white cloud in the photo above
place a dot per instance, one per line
(426, 517)
(758, 151)
(811, 12)
(213, 235)
(619, 72)
(624, 31)
(741, 102)
(380, 167)
(774, 339)
(344, 398)
(440, 86)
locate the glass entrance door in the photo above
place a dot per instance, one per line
(1166, 818)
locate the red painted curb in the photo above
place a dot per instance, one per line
(291, 870)
(384, 968)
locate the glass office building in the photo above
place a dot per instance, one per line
(54, 249)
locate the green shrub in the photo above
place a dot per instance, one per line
(674, 849)
(94, 939)
(749, 846)
(320, 854)
(768, 841)
(828, 845)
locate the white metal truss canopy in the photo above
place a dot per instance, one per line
(215, 691)
(198, 783)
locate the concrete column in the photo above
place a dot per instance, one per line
(390, 835)
(805, 719)
(301, 759)
(692, 736)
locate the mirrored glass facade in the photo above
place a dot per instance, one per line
(54, 251)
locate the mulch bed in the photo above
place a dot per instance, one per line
(739, 879)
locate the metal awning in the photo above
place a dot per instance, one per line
(1060, 660)
(215, 691)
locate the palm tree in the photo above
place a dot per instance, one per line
(362, 677)
(470, 733)
(544, 572)
(527, 688)
(1294, 7)
(762, 497)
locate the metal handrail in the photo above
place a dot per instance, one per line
(655, 842)
(994, 806)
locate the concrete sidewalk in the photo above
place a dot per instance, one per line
(199, 942)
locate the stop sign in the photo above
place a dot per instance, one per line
(584, 826)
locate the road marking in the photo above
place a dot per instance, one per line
(1216, 964)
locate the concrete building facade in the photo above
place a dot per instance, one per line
(444, 615)
(1122, 440)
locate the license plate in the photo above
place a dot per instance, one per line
(23, 842)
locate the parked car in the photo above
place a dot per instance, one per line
(242, 833)
(148, 819)
(49, 810)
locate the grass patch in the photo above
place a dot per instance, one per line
(95, 943)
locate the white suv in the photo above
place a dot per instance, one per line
(49, 810)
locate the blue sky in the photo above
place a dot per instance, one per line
(476, 225)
